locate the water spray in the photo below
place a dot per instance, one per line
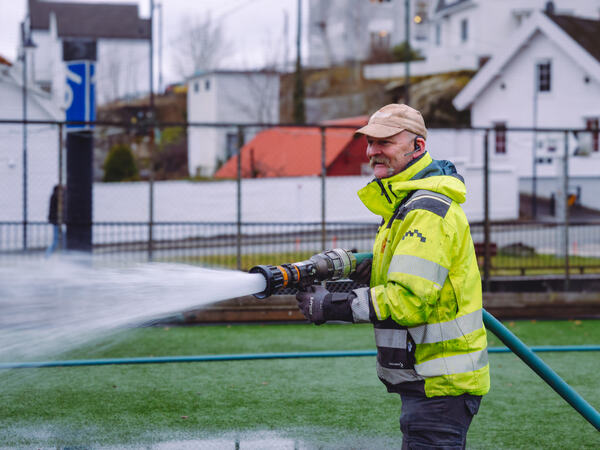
(329, 265)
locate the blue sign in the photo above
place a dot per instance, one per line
(80, 95)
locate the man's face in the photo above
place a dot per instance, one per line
(387, 155)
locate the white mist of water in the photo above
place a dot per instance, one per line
(57, 304)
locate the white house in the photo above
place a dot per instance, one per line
(226, 97)
(41, 142)
(122, 40)
(547, 76)
(464, 34)
(340, 31)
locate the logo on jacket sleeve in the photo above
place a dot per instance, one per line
(415, 232)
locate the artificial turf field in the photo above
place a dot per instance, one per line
(294, 403)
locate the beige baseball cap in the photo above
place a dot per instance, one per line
(392, 119)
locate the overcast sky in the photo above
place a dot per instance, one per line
(254, 27)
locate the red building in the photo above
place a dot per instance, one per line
(296, 152)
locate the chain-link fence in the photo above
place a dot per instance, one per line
(183, 194)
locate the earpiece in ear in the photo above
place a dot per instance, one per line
(417, 146)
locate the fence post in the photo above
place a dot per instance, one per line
(238, 241)
(61, 191)
(323, 196)
(486, 212)
(566, 211)
(25, 169)
(151, 195)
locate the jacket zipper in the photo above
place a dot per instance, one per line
(383, 191)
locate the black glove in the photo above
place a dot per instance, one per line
(362, 274)
(319, 305)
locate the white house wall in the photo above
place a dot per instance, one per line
(465, 149)
(347, 25)
(452, 144)
(248, 98)
(44, 55)
(202, 146)
(567, 105)
(42, 157)
(202, 141)
(244, 97)
(491, 23)
(121, 68)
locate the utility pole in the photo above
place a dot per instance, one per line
(299, 113)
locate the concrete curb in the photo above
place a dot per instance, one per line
(503, 305)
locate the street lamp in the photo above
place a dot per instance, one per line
(26, 43)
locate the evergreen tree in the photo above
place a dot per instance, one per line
(120, 164)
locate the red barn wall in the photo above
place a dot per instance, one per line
(349, 161)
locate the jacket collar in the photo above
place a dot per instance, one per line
(380, 196)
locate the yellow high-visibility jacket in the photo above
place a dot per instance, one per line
(425, 292)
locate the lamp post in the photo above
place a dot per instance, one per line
(26, 43)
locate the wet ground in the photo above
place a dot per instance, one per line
(267, 440)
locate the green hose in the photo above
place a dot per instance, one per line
(252, 356)
(360, 257)
(542, 369)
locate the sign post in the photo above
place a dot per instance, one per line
(80, 98)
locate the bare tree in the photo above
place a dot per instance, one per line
(259, 103)
(199, 46)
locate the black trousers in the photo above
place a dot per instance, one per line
(436, 422)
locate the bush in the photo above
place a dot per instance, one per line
(120, 164)
(399, 52)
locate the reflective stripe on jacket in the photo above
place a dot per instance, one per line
(425, 293)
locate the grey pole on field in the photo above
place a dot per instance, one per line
(26, 43)
(151, 131)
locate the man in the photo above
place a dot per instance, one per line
(424, 297)
(56, 198)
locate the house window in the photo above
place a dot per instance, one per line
(380, 39)
(544, 78)
(593, 124)
(438, 34)
(196, 86)
(464, 30)
(231, 145)
(207, 85)
(500, 134)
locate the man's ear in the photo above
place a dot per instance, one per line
(419, 144)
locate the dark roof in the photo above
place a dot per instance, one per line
(444, 4)
(586, 32)
(90, 20)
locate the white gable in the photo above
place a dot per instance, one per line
(538, 23)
